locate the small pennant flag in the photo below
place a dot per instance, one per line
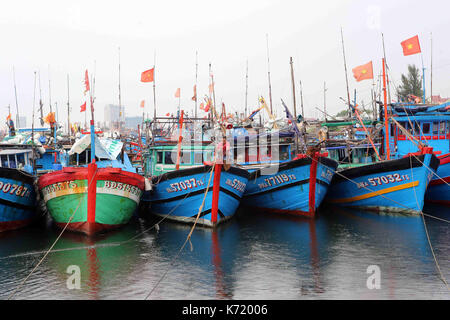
(202, 106)
(86, 82)
(411, 46)
(142, 103)
(8, 117)
(194, 98)
(148, 76)
(211, 87)
(363, 72)
(50, 118)
(83, 107)
(167, 114)
(208, 105)
(177, 93)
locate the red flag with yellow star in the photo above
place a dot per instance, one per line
(148, 76)
(363, 72)
(411, 46)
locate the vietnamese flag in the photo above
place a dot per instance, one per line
(142, 103)
(8, 117)
(148, 76)
(363, 72)
(411, 46)
(86, 81)
(194, 98)
(177, 93)
(83, 107)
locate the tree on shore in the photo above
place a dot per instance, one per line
(411, 83)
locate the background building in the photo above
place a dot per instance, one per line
(112, 116)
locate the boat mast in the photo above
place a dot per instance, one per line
(431, 68)
(154, 87)
(41, 105)
(293, 88)
(246, 89)
(49, 90)
(386, 127)
(325, 100)
(387, 76)
(68, 108)
(120, 101)
(15, 93)
(346, 77)
(32, 122)
(92, 124)
(301, 99)
(268, 73)
(196, 75)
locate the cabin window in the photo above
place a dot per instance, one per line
(426, 128)
(417, 128)
(168, 157)
(392, 130)
(435, 127)
(159, 157)
(442, 127)
(198, 157)
(4, 161)
(284, 153)
(208, 156)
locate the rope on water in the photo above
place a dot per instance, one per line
(426, 230)
(54, 243)
(188, 236)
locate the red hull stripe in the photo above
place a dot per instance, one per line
(88, 227)
(112, 174)
(439, 181)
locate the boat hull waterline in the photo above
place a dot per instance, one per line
(108, 202)
(390, 186)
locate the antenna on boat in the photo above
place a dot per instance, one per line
(15, 93)
(346, 77)
(268, 73)
(386, 127)
(154, 87)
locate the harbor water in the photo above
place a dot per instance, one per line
(253, 256)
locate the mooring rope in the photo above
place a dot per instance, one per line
(426, 231)
(188, 236)
(54, 243)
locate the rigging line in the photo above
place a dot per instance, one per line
(54, 243)
(426, 230)
(189, 235)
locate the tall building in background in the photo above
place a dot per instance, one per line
(112, 116)
(133, 122)
(22, 121)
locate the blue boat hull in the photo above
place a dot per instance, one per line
(178, 195)
(290, 190)
(389, 186)
(438, 189)
(18, 205)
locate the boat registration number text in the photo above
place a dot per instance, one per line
(19, 191)
(236, 184)
(184, 185)
(276, 180)
(382, 180)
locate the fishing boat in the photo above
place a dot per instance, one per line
(191, 183)
(98, 189)
(285, 184)
(417, 126)
(96, 196)
(18, 200)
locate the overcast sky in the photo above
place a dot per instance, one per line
(60, 38)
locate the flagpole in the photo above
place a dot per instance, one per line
(32, 122)
(49, 90)
(15, 93)
(40, 100)
(386, 127)
(293, 88)
(92, 124)
(431, 68)
(423, 78)
(346, 77)
(387, 76)
(268, 73)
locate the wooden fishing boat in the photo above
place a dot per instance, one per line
(91, 199)
(297, 187)
(18, 200)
